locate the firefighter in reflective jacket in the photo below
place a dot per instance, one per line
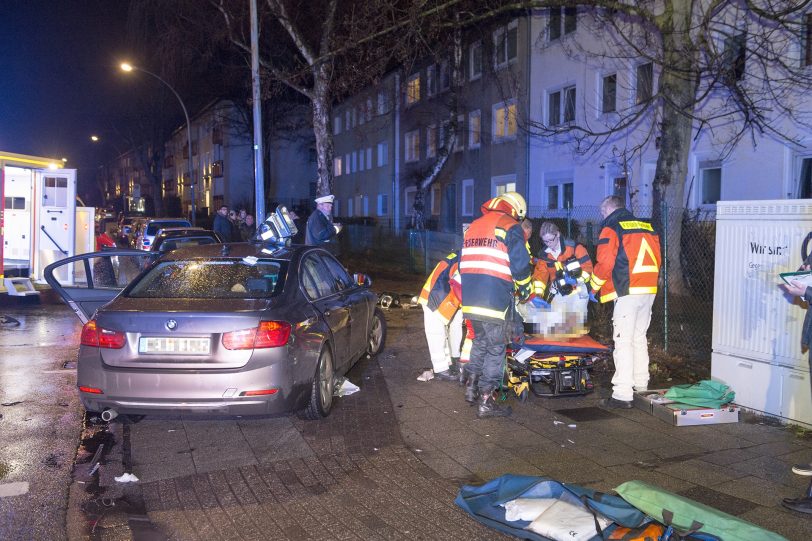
(558, 249)
(495, 266)
(442, 318)
(627, 271)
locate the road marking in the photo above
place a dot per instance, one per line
(13, 489)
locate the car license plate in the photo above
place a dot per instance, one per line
(174, 345)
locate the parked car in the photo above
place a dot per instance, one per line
(153, 225)
(237, 329)
(173, 238)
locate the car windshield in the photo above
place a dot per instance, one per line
(211, 279)
(154, 227)
(169, 244)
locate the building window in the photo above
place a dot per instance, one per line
(337, 125)
(361, 114)
(443, 75)
(435, 200)
(349, 207)
(383, 204)
(504, 120)
(568, 194)
(609, 94)
(505, 44)
(217, 169)
(475, 61)
(383, 153)
(369, 158)
(645, 83)
(468, 197)
(408, 200)
(431, 81)
(361, 160)
(807, 52)
(431, 141)
(383, 105)
(561, 106)
(355, 162)
(711, 175)
(368, 110)
(347, 119)
(337, 166)
(413, 89)
(734, 56)
(412, 146)
(459, 134)
(562, 21)
(347, 169)
(474, 129)
(502, 184)
(552, 197)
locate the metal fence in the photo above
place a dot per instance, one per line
(682, 318)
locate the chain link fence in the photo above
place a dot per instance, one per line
(682, 318)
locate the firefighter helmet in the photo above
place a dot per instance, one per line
(517, 202)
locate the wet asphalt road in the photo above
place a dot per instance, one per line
(41, 420)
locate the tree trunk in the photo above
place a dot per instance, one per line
(321, 128)
(678, 87)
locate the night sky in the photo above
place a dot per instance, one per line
(59, 80)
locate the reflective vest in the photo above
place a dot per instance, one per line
(628, 258)
(494, 263)
(545, 267)
(437, 294)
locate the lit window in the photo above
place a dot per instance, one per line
(413, 89)
(337, 167)
(504, 120)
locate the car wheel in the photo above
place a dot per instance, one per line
(377, 333)
(321, 396)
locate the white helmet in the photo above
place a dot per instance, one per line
(515, 200)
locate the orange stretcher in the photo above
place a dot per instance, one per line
(556, 367)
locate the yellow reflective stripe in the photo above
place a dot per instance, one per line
(487, 312)
(642, 290)
(635, 224)
(524, 281)
(585, 275)
(610, 297)
(500, 233)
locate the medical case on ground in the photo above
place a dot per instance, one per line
(677, 414)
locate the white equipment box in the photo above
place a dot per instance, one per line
(656, 404)
(756, 324)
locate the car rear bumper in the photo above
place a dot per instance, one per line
(131, 391)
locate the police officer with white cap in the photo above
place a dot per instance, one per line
(320, 227)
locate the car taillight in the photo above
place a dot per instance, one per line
(97, 337)
(269, 334)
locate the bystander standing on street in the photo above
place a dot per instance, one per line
(248, 228)
(626, 272)
(222, 226)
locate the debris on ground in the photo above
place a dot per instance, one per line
(427, 375)
(126, 478)
(344, 388)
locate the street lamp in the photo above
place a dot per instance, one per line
(125, 66)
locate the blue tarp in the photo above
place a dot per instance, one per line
(484, 503)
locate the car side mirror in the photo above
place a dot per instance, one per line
(362, 279)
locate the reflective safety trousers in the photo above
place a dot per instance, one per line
(437, 294)
(628, 258)
(495, 263)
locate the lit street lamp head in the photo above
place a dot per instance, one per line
(126, 66)
(94, 138)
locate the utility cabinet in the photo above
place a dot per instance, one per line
(756, 325)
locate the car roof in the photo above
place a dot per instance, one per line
(190, 230)
(240, 249)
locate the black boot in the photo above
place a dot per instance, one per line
(463, 373)
(454, 369)
(489, 407)
(471, 387)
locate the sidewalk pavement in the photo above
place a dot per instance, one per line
(389, 460)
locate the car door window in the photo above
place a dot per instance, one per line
(340, 277)
(316, 279)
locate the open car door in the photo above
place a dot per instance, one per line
(88, 281)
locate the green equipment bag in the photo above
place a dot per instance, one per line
(687, 515)
(705, 394)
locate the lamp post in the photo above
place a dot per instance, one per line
(129, 67)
